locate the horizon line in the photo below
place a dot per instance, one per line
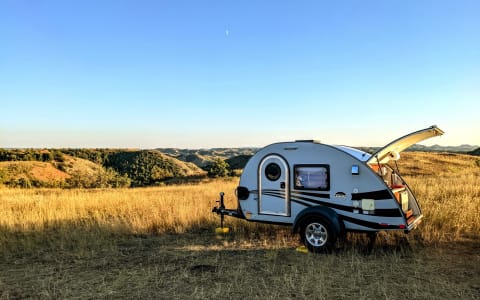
(215, 147)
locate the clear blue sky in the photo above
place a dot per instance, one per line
(194, 74)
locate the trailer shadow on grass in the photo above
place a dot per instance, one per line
(77, 239)
(74, 239)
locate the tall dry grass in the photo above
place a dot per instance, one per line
(168, 209)
(447, 187)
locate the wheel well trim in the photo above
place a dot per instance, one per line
(319, 211)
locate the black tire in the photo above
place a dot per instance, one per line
(318, 234)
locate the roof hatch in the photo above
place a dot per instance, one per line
(392, 150)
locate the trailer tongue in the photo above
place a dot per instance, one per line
(222, 211)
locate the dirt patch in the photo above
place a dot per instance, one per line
(47, 172)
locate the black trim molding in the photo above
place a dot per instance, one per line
(375, 195)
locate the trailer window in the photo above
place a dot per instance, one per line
(273, 171)
(312, 177)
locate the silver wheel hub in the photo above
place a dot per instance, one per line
(316, 234)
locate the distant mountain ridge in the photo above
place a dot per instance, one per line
(203, 158)
(238, 157)
(464, 148)
(439, 148)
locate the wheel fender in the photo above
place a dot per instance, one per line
(322, 211)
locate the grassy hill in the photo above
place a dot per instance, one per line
(204, 158)
(90, 168)
(438, 164)
(196, 158)
(31, 173)
(238, 162)
(475, 152)
(68, 171)
(150, 167)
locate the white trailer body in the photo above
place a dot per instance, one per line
(332, 188)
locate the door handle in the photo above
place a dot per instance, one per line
(282, 185)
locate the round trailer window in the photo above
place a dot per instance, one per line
(273, 171)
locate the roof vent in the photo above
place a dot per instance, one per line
(308, 141)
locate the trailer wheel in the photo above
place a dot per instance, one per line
(318, 235)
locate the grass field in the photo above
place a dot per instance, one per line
(159, 243)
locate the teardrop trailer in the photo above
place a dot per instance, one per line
(324, 191)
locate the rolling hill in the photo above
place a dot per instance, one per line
(237, 157)
(204, 158)
(475, 152)
(150, 167)
(70, 172)
(90, 168)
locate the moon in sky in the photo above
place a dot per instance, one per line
(227, 32)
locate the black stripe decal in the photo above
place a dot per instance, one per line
(387, 212)
(368, 224)
(277, 192)
(393, 212)
(376, 195)
(363, 223)
(324, 203)
(280, 194)
(302, 203)
(318, 195)
(327, 196)
(360, 222)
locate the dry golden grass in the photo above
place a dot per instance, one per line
(448, 189)
(168, 209)
(158, 243)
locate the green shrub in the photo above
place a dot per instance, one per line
(219, 168)
(58, 156)
(24, 183)
(62, 167)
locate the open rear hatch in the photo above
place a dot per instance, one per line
(404, 196)
(392, 150)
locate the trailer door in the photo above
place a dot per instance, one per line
(273, 186)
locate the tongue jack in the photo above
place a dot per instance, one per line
(221, 211)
